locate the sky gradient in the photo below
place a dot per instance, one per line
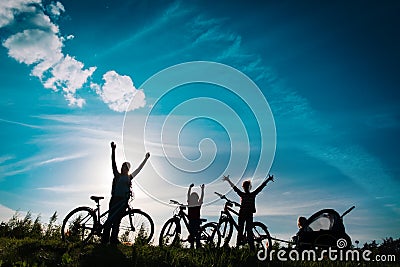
(328, 70)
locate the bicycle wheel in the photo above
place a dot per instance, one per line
(225, 229)
(210, 235)
(136, 226)
(170, 233)
(79, 225)
(262, 238)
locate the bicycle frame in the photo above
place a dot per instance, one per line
(98, 227)
(227, 212)
(182, 216)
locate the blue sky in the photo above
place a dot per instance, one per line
(329, 72)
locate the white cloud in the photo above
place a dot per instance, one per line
(119, 92)
(55, 9)
(34, 46)
(9, 8)
(38, 43)
(69, 75)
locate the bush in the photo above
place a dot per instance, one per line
(27, 228)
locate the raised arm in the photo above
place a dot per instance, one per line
(147, 156)
(202, 195)
(113, 163)
(261, 186)
(189, 192)
(226, 178)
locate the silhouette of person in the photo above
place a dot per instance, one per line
(302, 224)
(300, 239)
(120, 194)
(247, 208)
(194, 206)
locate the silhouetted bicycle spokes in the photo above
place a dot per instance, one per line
(226, 223)
(171, 232)
(85, 223)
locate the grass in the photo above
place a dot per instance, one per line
(37, 252)
(27, 242)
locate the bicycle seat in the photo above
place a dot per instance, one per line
(96, 198)
(203, 220)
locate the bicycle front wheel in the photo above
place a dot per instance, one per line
(136, 226)
(209, 235)
(225, 229)
(170, 233)
(79, 225)
(262, 238)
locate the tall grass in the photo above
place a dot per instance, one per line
(29, 242)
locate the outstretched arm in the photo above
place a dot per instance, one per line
(226, 178)
(202, 194)
(261, 187)
(113, 163)
(147, 156)
(189, 191)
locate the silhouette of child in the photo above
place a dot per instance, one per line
(299, 238)
(120, 193)
(247, 208)
(194, 206)
(301, 223)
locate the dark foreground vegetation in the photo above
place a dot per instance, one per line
(28, 242)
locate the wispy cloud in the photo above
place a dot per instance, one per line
(21, 124)
(61, 159)
(294, 113)
(28, 164)
(173, 11)
(67, 189)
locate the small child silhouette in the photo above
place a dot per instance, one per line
(194, 206)
(247, 208)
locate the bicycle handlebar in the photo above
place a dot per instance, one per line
(171, 201)
(219, 194)
(228, 200)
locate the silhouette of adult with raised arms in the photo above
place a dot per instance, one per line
(247, 208)
(194, 206)
(120, 194)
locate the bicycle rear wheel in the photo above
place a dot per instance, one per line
(79, 225)
(136, 226)
(262, 238)
(170, 233)
(209, 235)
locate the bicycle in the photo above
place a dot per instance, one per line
(226, 222)
(171, 231)
(84, 223)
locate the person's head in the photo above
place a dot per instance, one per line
(246, 185)
(193, 199)
(301, 221)
(125, 168)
